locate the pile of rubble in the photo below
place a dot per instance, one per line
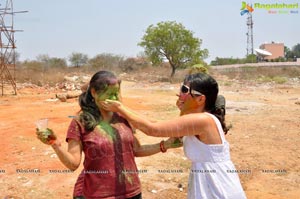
(72, 83)
(71, 87)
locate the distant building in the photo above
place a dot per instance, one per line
(276, 49)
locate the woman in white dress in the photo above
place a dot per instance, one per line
(202, 127)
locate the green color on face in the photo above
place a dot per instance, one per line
(111, 93)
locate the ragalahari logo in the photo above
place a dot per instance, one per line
(246, 8)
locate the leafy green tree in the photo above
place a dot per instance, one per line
(288, 53)
(296, 50)
(78, 59)
(173, 42)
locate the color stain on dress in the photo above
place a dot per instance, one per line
(107, 130)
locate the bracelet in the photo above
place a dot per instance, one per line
(162, 146)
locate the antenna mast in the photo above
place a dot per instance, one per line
(7, 46)
(249, 34)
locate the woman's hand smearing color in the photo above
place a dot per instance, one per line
(111, 105)
(173, 142)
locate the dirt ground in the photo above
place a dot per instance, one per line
(264, 141)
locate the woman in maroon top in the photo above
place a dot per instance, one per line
(108, 143)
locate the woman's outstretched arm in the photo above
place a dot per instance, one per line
(190, 124)
(142, 150)
(71, 157)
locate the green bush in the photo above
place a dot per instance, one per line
(279, 80)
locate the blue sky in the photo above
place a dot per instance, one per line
(59, 27)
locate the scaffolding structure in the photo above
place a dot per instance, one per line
(7, 46)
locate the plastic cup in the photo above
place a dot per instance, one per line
(42, 124)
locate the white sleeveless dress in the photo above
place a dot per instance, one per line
(212, 173)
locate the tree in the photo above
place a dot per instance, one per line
(296, 50)
(51, 62)
(171, 41)
(105, 60)
(134, 63)
(288, 54)
(292, 54)
(55, 62)
(78, 59)
(43, 58)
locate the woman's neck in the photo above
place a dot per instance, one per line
(198, 110)
(107, 116)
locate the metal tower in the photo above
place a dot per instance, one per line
(249, 34)
(7, 46)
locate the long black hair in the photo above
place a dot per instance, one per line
(208, 86)
(90, 115)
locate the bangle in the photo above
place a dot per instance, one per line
(162, 146)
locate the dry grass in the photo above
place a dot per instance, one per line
(277, 74)
(158, 74)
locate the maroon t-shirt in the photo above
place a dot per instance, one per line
(109, 167)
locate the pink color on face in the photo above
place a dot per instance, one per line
(181, 99)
